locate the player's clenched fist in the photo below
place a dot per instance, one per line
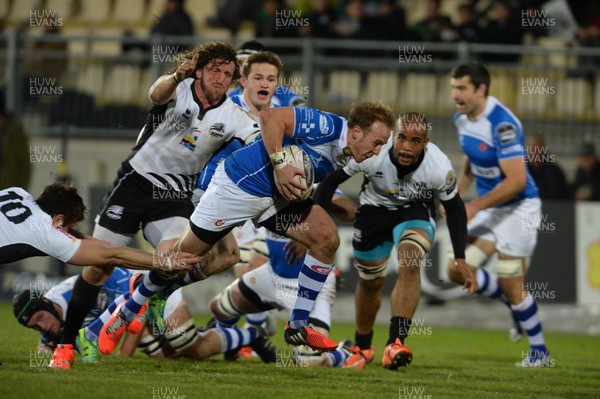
(186, 69)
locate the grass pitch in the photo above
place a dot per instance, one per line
(448, 363)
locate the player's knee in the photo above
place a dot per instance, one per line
(325, 240)
(182, 336)
(507, 268)
(231, 256)
(413, 245)
(226, 307)
(151, 345)
(214, 306)
(370, 272)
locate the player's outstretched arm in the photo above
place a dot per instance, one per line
(456, 216)
(102, 253)
(163, 90)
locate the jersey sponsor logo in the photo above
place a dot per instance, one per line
(378, 174)
(219, 223)
(187, 113)
(115, 212)
(506, 132)
(480, 171)
(189, 142)
(320, 269)
(307, 127)
(217, 130)
(323, 125)
(513, 148)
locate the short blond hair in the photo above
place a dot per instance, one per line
(364, 114)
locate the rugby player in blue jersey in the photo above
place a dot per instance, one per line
(505, 215)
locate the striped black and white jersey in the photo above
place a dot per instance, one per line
(387, 186)
(26, 230)
(180, 137)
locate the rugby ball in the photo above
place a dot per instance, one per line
(305, 356)
(297, 157)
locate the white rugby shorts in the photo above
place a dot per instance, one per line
(513, 228)
(224, 205)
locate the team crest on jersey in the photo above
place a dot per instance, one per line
(189, 142)
(506, 132)
(217, 130)
(115, 212)
(450, 181)
(450, 178)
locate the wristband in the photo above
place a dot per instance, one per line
(175, 78)
(278, 160)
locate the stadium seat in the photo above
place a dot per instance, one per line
(76, 47)
(199, 10)
(574, 96)
(414, 10)
(420, 91)
(107, 47)
(597, 96)
(344, 87)
(383, 86)
(121, 84)
(129, 12)
(506, 85)
(147, 78)
(64, 8)
(444, 104)
(156, 8)
(4, 7)
(89, 77)
(95, 11)
(20, 12)
(556, 59)
(533, 93)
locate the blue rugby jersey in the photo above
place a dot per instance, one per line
(321, 134)
(495, 135)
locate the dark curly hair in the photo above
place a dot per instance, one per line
(62, 198)
(210, 51)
